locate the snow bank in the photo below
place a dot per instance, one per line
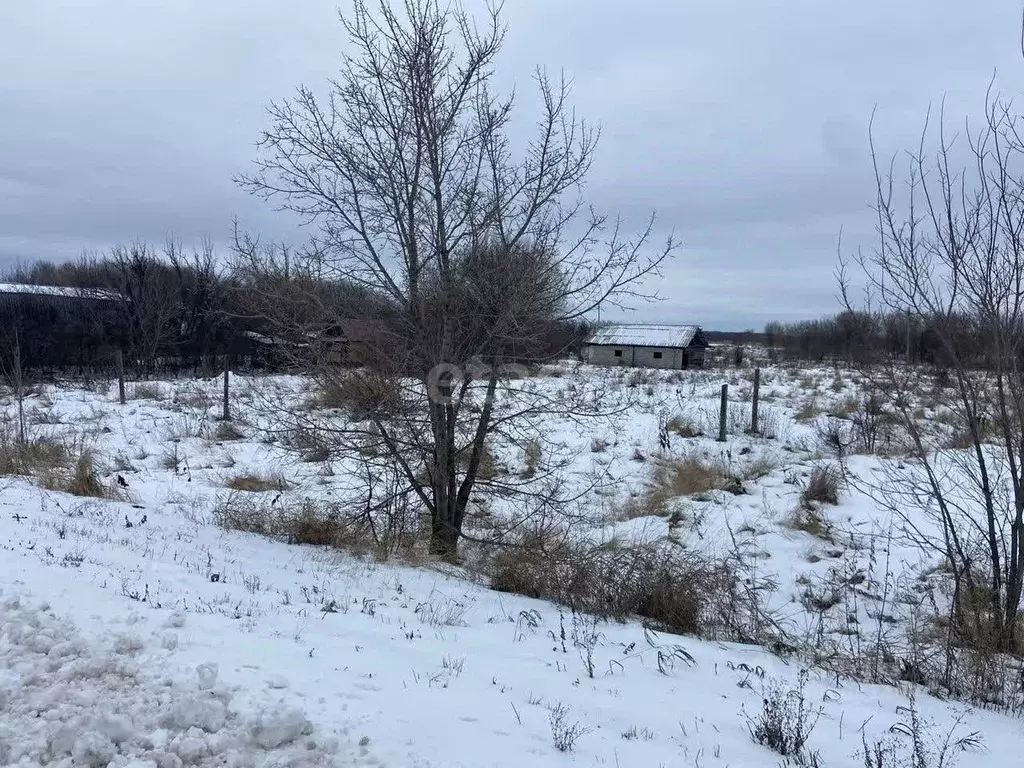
(69, 701)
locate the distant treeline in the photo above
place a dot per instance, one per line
(735, 337)
(156, 308)
(863, 337)
(172, 310)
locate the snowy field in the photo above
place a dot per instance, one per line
(138, 632)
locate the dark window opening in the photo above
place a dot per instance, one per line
(618, 353)
(657, 355)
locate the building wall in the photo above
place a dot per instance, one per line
(642, 357)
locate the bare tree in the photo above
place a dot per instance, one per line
(410, 175)
(11, 368)
(951, 252)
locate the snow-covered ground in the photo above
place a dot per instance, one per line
(137, 632)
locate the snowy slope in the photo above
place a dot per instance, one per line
(323, 658)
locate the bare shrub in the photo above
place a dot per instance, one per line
(318, 523)
(564, 734)
(533, 451)
(873, 426)
(785, 722)
(834, 435)
(822, 487)
(172, 458)
(312, 444)
(913, 743)
(362, 394)
(674, 589)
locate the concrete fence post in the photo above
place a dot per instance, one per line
(723, 414)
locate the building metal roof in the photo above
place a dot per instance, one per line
(95, 294)
(672, 336)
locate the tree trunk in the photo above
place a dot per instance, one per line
(444, 534)
(444, 539)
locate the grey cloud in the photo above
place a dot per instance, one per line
(743, 123)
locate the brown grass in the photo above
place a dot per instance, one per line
(251, 482)
(81, 478)
(846, 408)
(303, 522)
(533, 451)
(311, 443)
(808, 411)
(227, 431)
(34, 455)
(487, 469)
(810, 521)
(822, 487)
(144, 391)
(55, 465)
(683, 427)
(316, 523)
(760, 467)
(670, 479)
(675, 590)
(363, 394)
(691, 475)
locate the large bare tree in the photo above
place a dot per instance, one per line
(418, 188)
(951, 254)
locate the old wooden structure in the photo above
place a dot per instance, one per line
(675, 347)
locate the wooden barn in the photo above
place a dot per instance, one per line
(675, 347)
(58, 327)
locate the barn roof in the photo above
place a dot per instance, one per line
(647, 335)
(53, 290)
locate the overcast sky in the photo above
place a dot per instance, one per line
(743, 122)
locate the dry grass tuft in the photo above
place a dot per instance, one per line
(674, 478)
(533, 451)
(302, 522)
(808, 411)
(81, 478)
(691, 475)
(760, 467)
(675, 590)
(227, 431)
(683, 427)
(251, 482)
(316, 523)
(487, 468)
(822, 487)
(311, 443)
(810, 520)
(34, 455)
(362, 394)
(144, 391)
(55, 465)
